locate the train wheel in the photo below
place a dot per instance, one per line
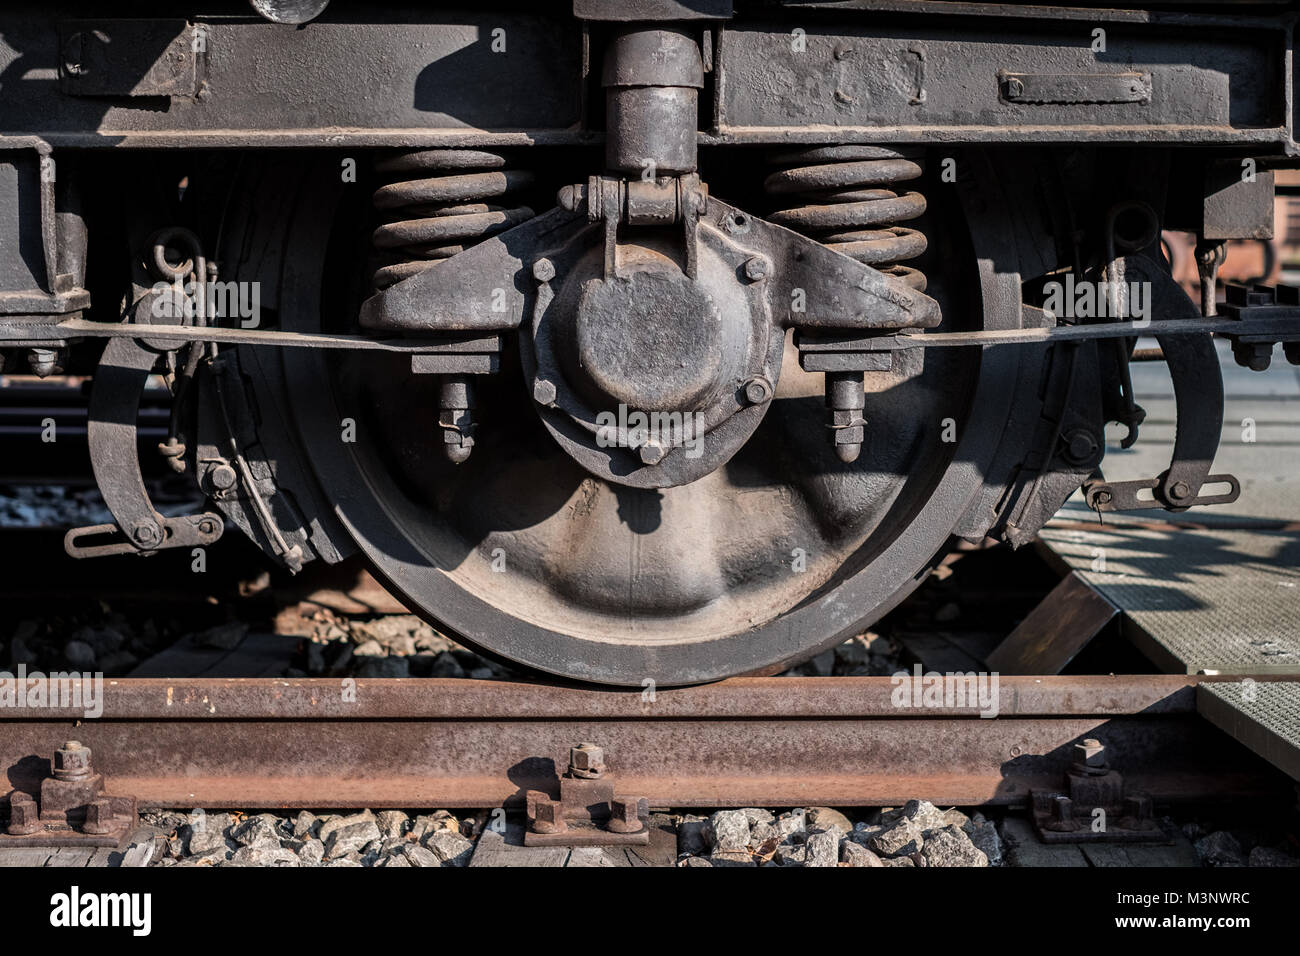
(520, 552)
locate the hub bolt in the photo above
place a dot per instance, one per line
(543, 391)
(758, 390)
(652, 453)
(543, 270)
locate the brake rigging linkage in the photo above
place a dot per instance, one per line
(1278, 324)
(1255, 319)
(119, 382)
(1132, 256)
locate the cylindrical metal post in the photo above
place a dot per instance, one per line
(652, 79)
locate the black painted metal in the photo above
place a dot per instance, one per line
(440, 202)
(662, 281)
(666, 617)
(934, 72)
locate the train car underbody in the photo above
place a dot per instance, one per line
(636, 340)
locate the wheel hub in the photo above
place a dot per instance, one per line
(652, 340)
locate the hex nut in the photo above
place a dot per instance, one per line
(758, 390)
(587, 760)
(1090, 753)
(652, 453)
(146, 534)
(222, 476)
(543, 391)
(72, 761)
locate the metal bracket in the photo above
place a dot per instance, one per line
(71, 808)
(1124, 495)
(1094, 807)
(1075, 88)
(186, 531)
(588, 813)
(42, 257)
(1198, 398)
(837, 293)
(1249, 305)
(119, 382)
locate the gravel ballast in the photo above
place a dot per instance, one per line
(916, 835)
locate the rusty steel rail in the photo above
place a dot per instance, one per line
(761, 741)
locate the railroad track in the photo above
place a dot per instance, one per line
(742, 742)
(345, 743)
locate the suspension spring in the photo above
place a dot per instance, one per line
(847, 202)
(438, 202)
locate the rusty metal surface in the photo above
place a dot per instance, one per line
(587, 812)
(217, 700)
(838, 741)
(70, 807)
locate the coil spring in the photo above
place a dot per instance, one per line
(847, 204)
(436, 204)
